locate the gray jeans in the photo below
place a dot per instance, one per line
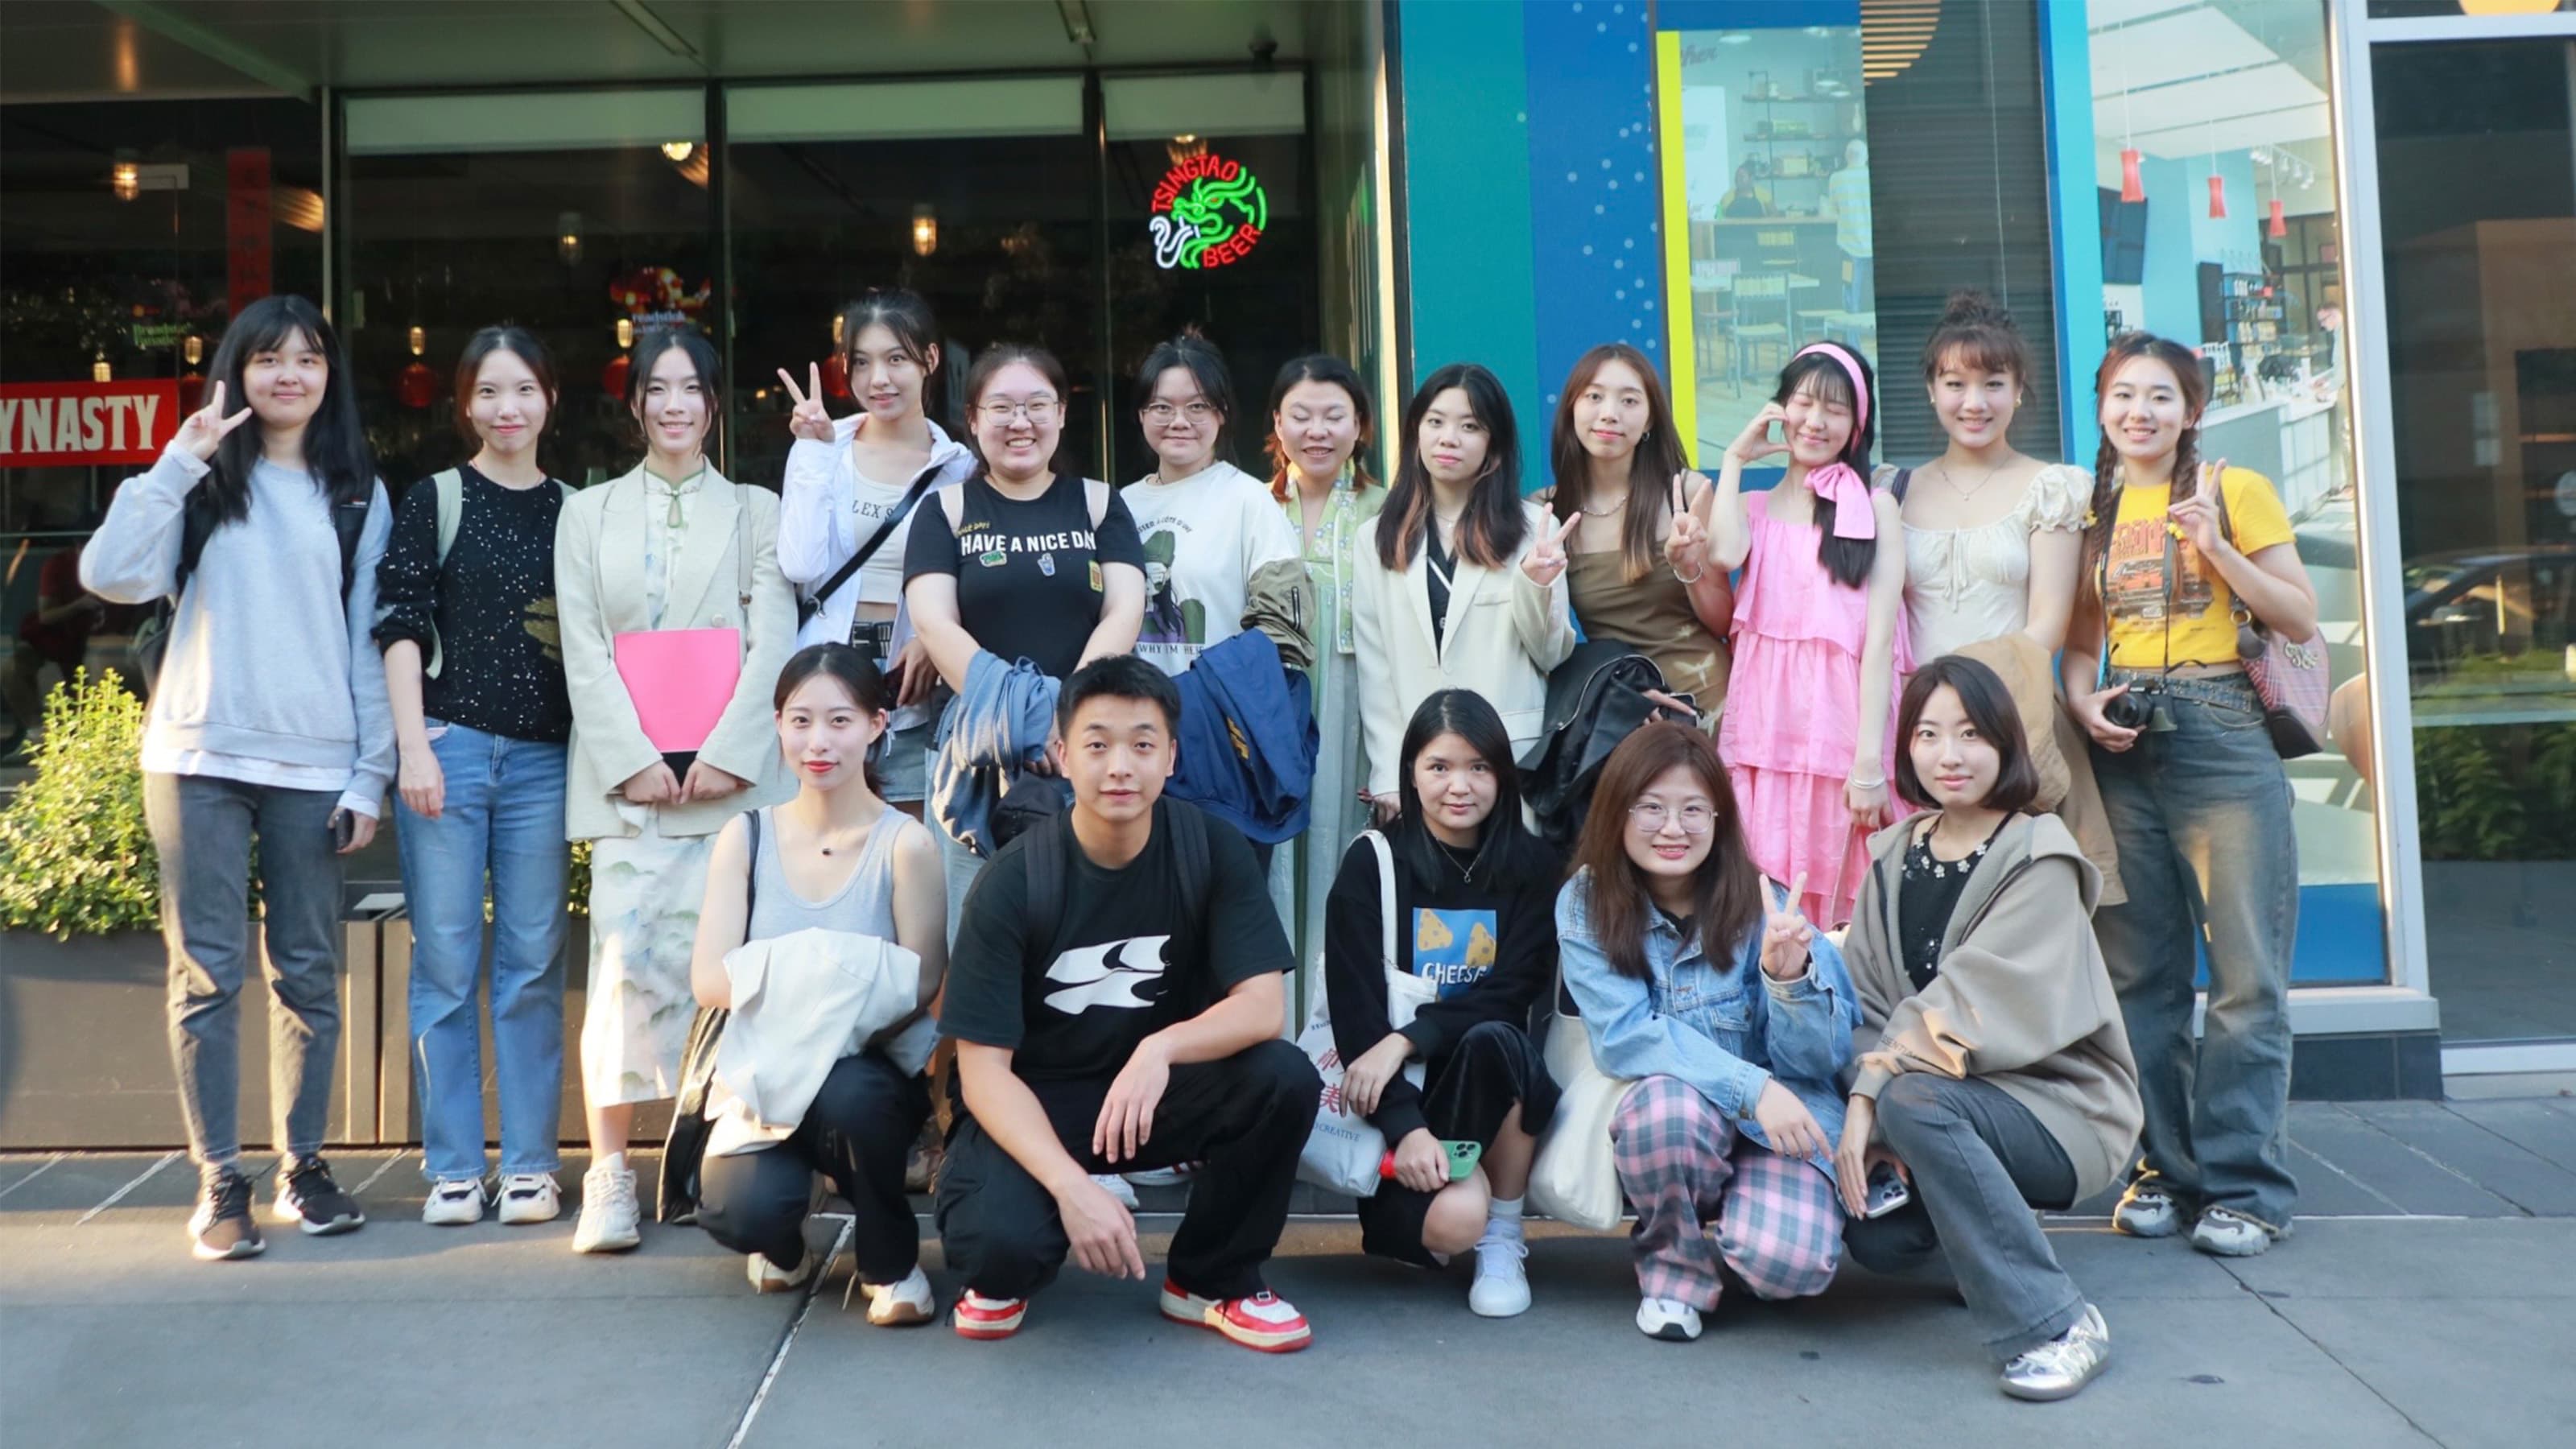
(203, 829)
(1979, 1162)
(2209, 857)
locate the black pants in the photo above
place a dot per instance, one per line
(1245, 1117)
(1980, 1162)
(1466, 1094)
(858, 1133)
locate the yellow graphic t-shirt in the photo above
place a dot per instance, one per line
(2133, 584)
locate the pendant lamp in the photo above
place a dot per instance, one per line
(2217, 197)
(2133, 187)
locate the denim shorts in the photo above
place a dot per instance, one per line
(903, 762)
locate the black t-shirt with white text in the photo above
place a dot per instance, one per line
(1028, 573)
(1074, 1007)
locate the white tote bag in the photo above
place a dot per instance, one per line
(1343, 1152)
(1576, 1177)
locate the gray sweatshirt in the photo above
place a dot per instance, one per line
(265, 663)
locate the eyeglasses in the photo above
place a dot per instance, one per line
(1036, 410)
(1651, 815)
(1197, 410)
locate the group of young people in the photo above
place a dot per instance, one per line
(1898, 900)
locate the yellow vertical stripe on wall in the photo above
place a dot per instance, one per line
(1679, 345)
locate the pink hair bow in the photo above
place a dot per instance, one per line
(1854, 514)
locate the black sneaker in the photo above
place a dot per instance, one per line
(222, 1226)
(309, 1198)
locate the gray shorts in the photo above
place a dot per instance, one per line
(903, 763)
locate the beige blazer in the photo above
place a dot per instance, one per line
(1504, 634)
(599, 593)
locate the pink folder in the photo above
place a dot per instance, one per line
(681, 680)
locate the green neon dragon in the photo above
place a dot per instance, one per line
(1197, 223)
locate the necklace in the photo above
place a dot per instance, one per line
(1466, 868)
(1608, 509)
(1966, 494)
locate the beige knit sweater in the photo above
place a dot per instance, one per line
(2022, 998)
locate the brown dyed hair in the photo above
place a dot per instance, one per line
(1492, 528)
(2185, 365)
(1976, 335)
(1650, 468)
(519, 342)
(1728, 893)
(1990, 709)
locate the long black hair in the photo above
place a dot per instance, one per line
(335, 442)
(853, 670)
(519, 342)
(1492, 528)
(901, 312)
(702, 360)
(1847, 559)
(1507, 855)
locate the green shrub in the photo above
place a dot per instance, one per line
(2495, 792)
(75, 856)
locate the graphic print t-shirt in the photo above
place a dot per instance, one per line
(1453, 947)
(2134, 583)
(1203, 537)
(1074, 1007)
(1028, 573)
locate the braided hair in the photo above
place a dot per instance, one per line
(2104, 510)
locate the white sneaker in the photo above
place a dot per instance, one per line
(1164, 1176)
(1502, 1288)
(1117, 1187)
(768, 1277)
(1664, 1318)
(2061, 1367)
(901, 1305)
(2226, 1233)
(608, 1212)
(530, 1197)
(454, 1202)
(2146, 1210)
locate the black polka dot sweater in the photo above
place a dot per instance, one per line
(492, 605)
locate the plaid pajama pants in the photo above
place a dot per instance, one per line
(1706, 1196)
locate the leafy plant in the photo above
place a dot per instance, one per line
(75, 855)
(2495, 792)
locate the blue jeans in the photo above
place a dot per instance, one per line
(503, 815)
(2207, 852)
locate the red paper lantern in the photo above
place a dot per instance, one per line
(2133, 187)
(417, 385)
(836, 377)
(612, 378)
(2279, 227)
(2217, 197)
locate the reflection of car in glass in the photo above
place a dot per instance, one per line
(2495, 623)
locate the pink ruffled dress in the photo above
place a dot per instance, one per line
(1793, 710)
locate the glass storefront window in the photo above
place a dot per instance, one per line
(2477, 186)
(567, 213)
(2214, 166)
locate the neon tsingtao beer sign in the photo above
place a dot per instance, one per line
(1207, 212)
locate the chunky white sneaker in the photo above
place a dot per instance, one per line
(2061, 1367)
(530, 1197)
(768, 1277)
(901, 1305)
(2147, 1211)
(1164, 1176)
(608, 1212)
(2226, 1233)
(1117, 1187)
(1502, 1287)
(1664, 1318)
(454, 1202)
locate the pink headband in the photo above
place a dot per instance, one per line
(1851, 369)
(1855, 515)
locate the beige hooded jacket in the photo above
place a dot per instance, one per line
(2022, 998)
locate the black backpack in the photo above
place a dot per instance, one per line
(197, 524)
(1051, 842)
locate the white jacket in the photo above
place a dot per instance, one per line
(820, 524)
(1504, 634)
(801, 1002)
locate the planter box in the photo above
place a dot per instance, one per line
(85, 1044)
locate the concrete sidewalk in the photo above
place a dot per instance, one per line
(2383, 1327)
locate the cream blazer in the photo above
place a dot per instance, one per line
(599, 594)
(1504, 634)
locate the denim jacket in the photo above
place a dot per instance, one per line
(1710, 1025)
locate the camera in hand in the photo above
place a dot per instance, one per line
(2128, 711)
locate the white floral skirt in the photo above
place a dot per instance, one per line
(644, 897)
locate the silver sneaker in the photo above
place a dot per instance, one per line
(2147, 1211)
(2225, 1233)
(2061, 1367)
(609, 1216)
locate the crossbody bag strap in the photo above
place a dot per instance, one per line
(876, 540)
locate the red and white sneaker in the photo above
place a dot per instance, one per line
(980, 1317)
(1264, 1321)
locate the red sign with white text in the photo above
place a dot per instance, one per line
(64, 424)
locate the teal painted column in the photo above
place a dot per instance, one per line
(2075, 219)
(1473, 289)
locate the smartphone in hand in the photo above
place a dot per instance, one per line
(344, 829)
(1886, 1193)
